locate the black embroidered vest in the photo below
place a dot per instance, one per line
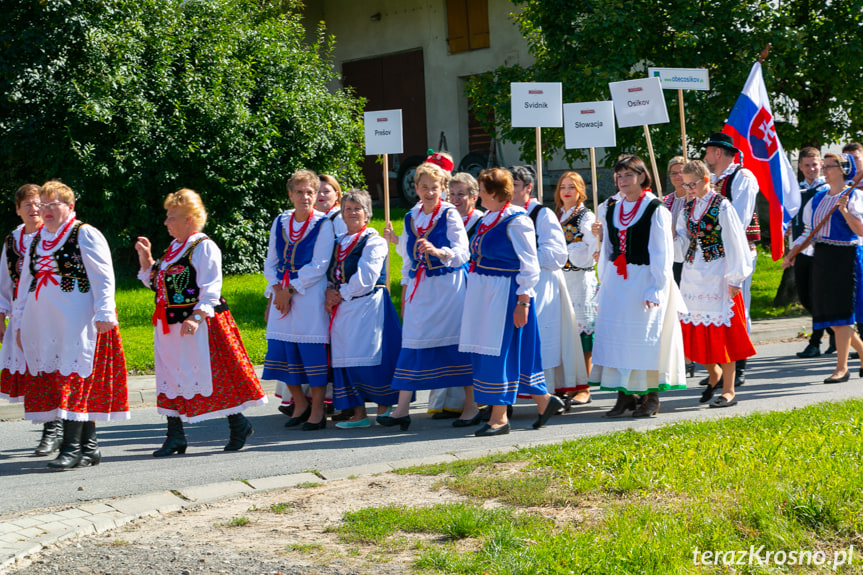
(572, 233)
(753, 229)
(14, 260)
(534, 215)
(181, 285)
(705, 231)
(637, 235)
(348, 268)
(70, 265)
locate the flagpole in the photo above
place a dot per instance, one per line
(682, 124)
(387, 206)
(539, 164)
(593, 178)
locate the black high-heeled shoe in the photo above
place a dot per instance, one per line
(708, 392)
(302, 418)
(403, 422)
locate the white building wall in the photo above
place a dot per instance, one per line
(406, 25)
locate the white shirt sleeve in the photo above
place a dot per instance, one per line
(96, 258)
(744, 194)
(521, 233)
(6, 291)
(855, 203)
(458, 252)
(207, 261)
(681, 238)
(407, 262)
(581, 253)
(369, 269)
(271, 263)
(807, 225)
(602, 263)
(661, 251)
(551, 250)
(311, 273)
(738, 260)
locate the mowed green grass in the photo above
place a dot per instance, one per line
(245, 297)
(644, 502)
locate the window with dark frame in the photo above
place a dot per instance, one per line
(467, 25)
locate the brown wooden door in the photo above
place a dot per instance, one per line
(395, 81)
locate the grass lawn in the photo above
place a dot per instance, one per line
(244, 296)
(644, 502)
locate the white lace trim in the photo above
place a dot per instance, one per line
(213, 414)
(54, 414)
(709, 318)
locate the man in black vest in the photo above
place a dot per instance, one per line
(732, 180)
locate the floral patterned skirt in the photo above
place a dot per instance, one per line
(235, 384)
(101, 397)
(14, 385)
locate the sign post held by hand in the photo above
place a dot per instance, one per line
(537, 105)
(589, 125)
(640, 103)
(681, 79)
(383, 130)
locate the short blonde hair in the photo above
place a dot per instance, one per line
(696, 168)
(59, 191)
(435, 172)
(304, 176)
(189, 203)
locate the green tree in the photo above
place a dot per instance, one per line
(128, 100)
(812, 71)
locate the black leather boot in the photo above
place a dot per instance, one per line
(70, 451)
(740, 373)
(90, 454)
(241, 429)
(623, 404)
(649, 407)
(175, 442)
(52, 438)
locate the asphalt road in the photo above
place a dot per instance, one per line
(776, 380)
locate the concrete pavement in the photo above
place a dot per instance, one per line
(25, 532)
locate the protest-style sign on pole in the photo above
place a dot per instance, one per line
(589, 125)
(681, 79)
(640, 103)
(537, 105)
(383, 130)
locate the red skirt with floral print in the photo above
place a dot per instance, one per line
(235, 384)
(14, 385)
(101, 397)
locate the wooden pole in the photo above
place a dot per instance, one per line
(539, 164)
(682, 124)
(653, 161)
(387, 205)
(593, 178)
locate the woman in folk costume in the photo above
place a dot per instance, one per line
(365, 333)
(715, 263)
(202, 369)
(433, 282)
(837, 265)
(329, 202)
(639, 347)
(13, 382)
(66, 324)
(562, 357)
(448, 402)
(579, 271)
(499, 327)
(298, 256)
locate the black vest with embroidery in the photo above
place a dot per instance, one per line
(181, 285)
(70, 265)
(572, 233)
(348, 268)
(472, 230)
(637, 235)
(14, 260)
(534, 215)
(705, 231)
(753, 229)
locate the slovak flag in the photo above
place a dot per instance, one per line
(751, 126)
